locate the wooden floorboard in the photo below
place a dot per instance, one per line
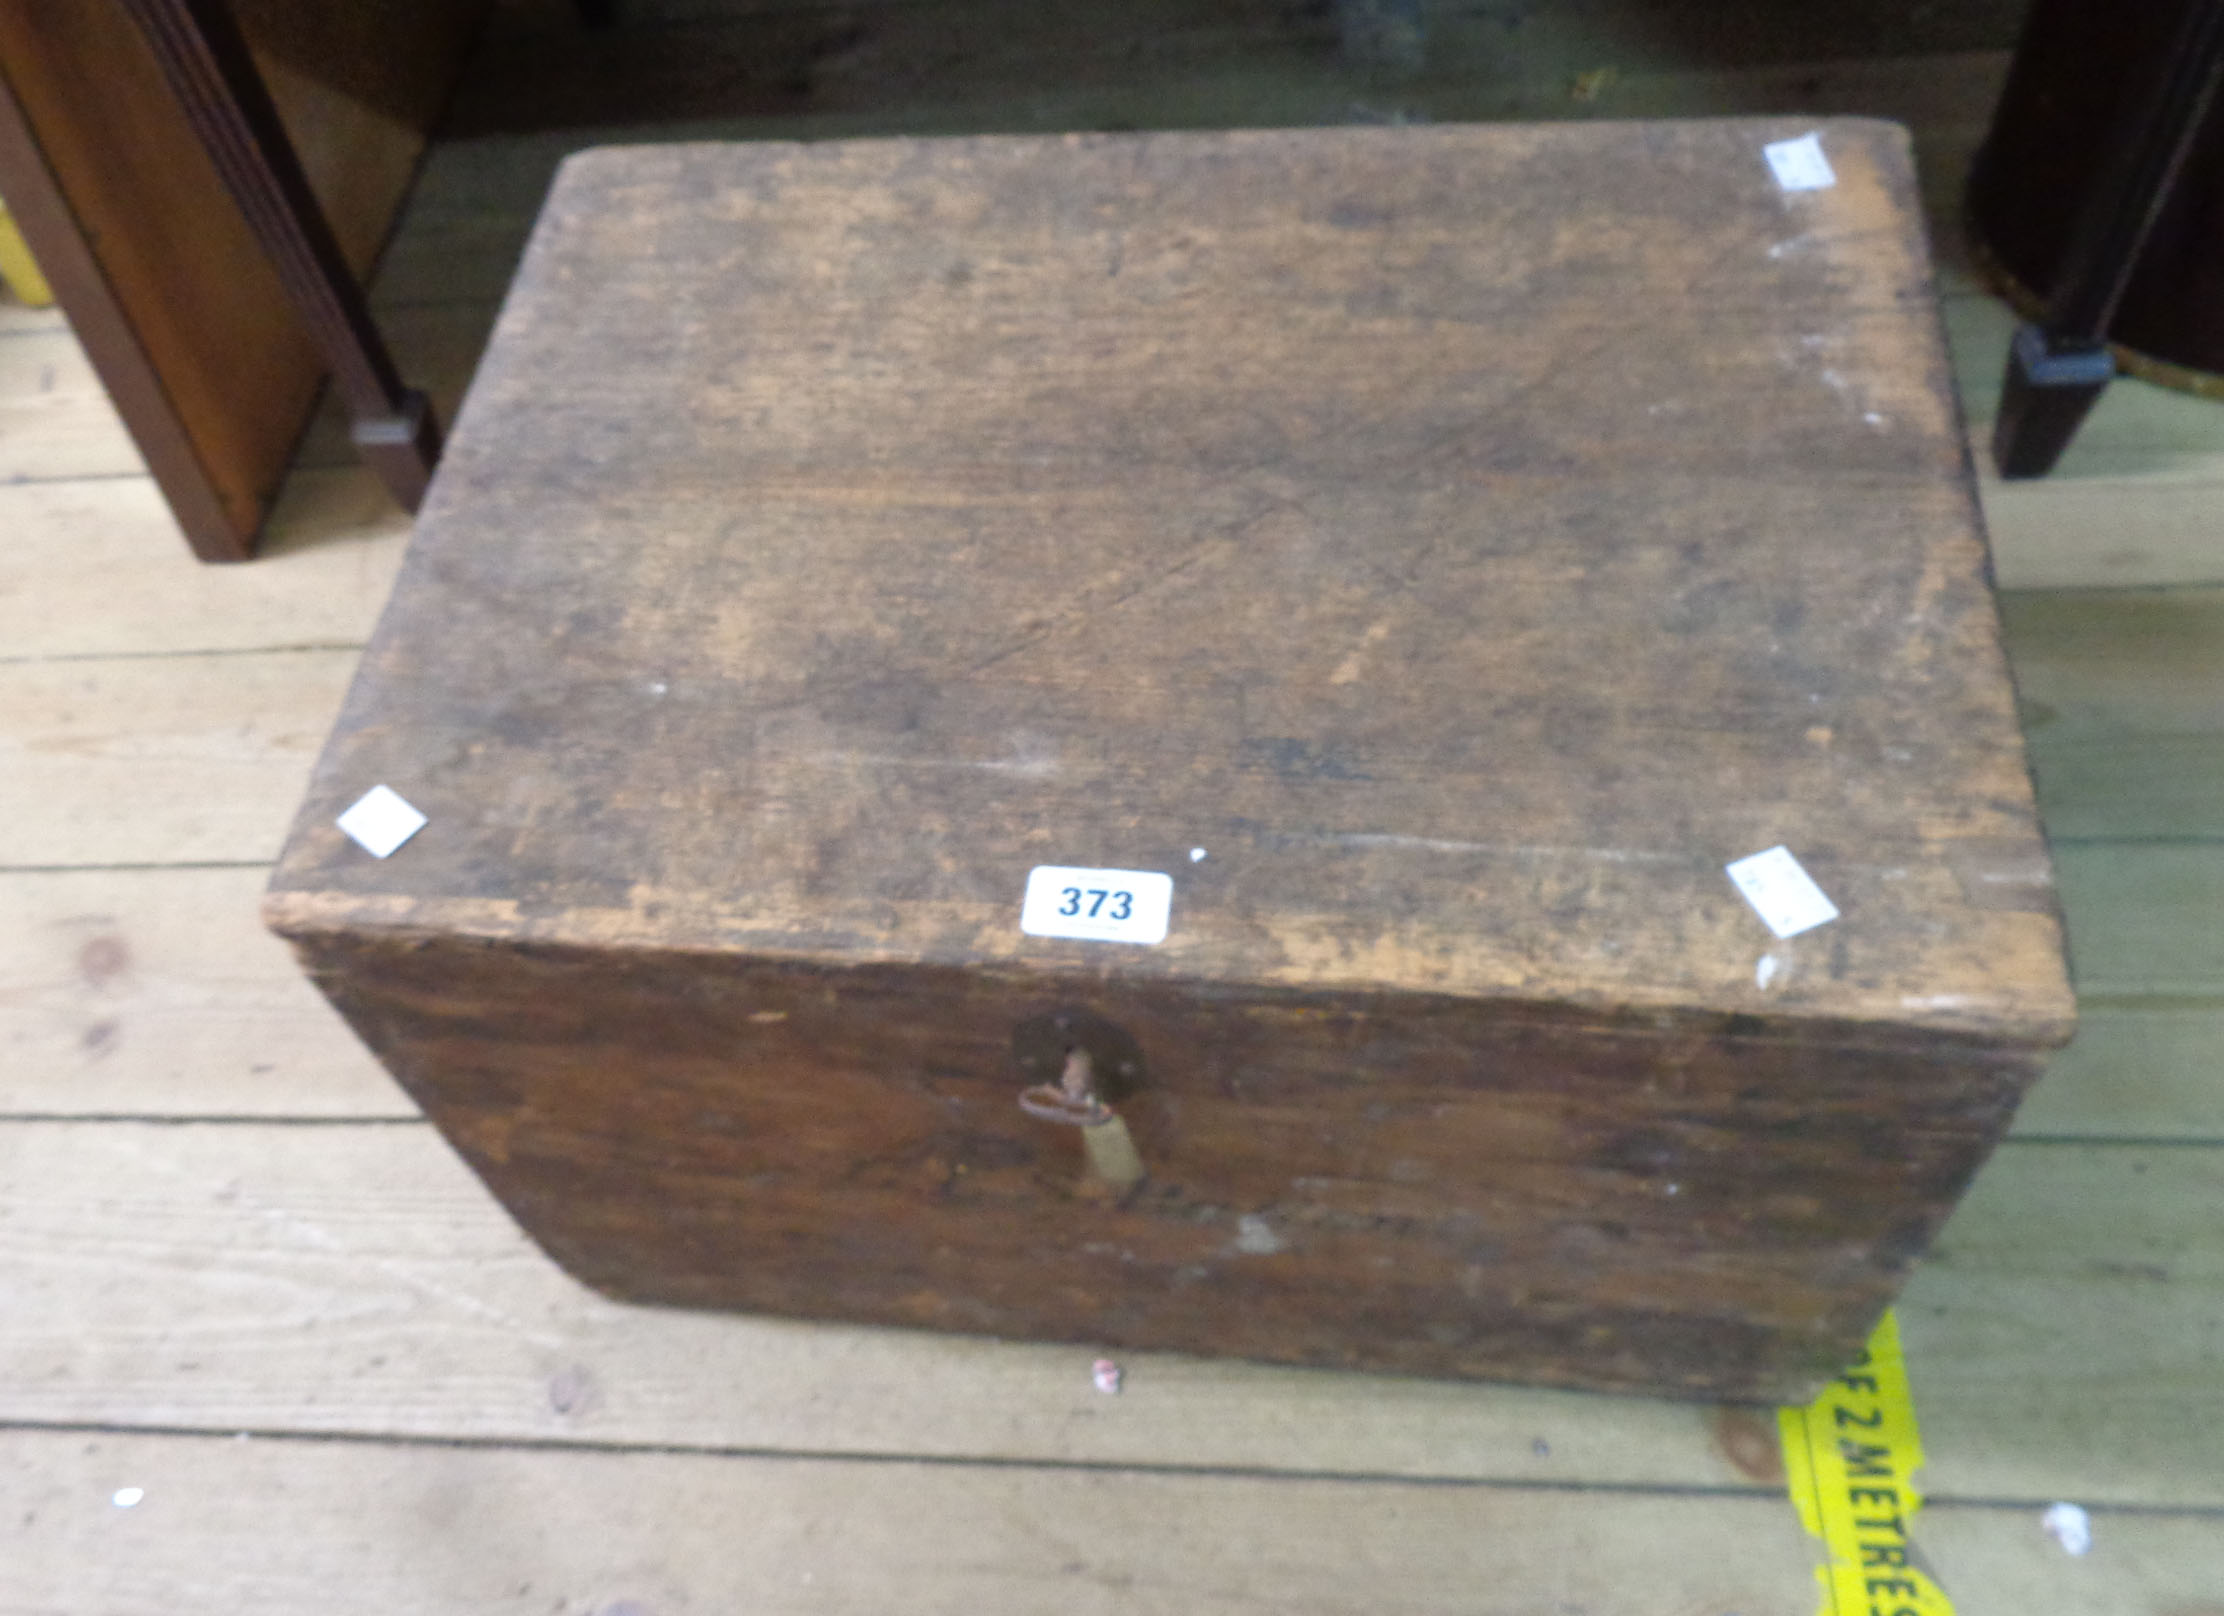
(157, 992)
(2146, 926)
(188, 759)
(337, 1528)
(115, 579)
(2143, 1069)
(18, 319)
(2066, 1338)
(218, 1216)
(55, 421)
(225, 1526)
(2122, 696)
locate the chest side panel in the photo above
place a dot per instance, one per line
(1400, 1185)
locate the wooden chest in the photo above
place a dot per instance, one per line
(1422, 558)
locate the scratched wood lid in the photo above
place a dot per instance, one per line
(1440, 551)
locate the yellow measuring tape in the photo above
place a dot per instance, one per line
(1849, 1459)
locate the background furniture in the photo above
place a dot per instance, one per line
(2098, 201)
(165, 278)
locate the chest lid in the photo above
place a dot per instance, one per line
(1437, 552)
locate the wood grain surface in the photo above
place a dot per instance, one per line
(1484, 1193)
(1111, 497)
(1445, 548)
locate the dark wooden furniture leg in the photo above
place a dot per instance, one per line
(206, 60)
(2059, 365)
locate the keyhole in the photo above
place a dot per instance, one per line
(1096, 1063)
(1043, 1044)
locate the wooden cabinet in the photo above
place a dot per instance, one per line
(165, 282)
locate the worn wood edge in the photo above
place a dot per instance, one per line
(80, 285)
(1881, 135)
(490, 186)
(310, 918)
(2134, 1071)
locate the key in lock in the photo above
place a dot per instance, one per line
(1096, 1063)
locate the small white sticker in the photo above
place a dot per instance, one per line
(1781, 893)
(381, 821)
(1098, 906)
(2069, 1526)
(1799, 165)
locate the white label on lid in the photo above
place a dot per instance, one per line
(1799, 165)
(381, 821)
(1781, 893)
(1097, 906)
